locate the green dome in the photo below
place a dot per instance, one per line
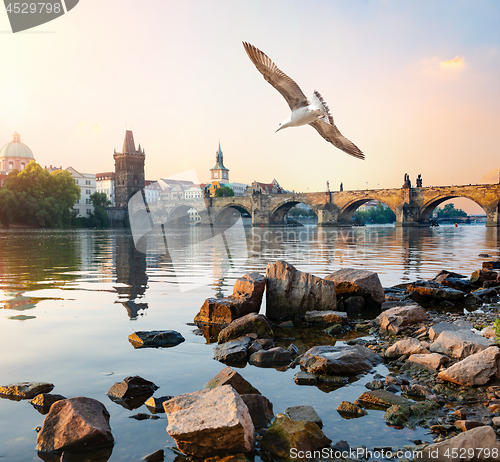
(16, 149)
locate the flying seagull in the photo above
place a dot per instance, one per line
(317, 114)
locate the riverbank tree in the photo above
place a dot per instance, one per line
(449, 211)
(380, 214)
(36, 197)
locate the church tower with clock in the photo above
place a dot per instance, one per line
(219, 172)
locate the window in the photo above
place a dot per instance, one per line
(76, 181)
(216, 175)
(87, 201)
(77, 201)
(88, 192)
(89, 211)
(77, 211)
(225, 175)
(87, 182)
(11, 165)
(23, 165)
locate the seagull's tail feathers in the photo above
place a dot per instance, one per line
(319, 102)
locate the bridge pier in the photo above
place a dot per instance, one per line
(492, 217)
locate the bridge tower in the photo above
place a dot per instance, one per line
(129, 170)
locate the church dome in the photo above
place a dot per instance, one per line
(16, 149)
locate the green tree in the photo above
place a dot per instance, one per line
(224, 191)
(43, 199)
(378, 215)
(99, 218)
(449, 211)
(8, 206)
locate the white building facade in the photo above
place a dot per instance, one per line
(87, 184)
(105, 183)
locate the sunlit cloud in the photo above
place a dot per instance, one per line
(88, 128)
(455, 64)
(491, 177)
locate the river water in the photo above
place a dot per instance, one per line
(71, 298)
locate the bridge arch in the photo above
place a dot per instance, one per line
(427, 208)
(348, 210)
(277, 217)
(180, 213)
(229, 213)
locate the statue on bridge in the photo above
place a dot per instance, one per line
(419, 181)
(327, 186)
(407, 181)
(341, 186)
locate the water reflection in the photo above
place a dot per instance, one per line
(131, 277)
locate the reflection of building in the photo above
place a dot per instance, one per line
(105, 183)
(264, 188)
(87, 184)
(129, 170)
(131, 277)
(14, 155)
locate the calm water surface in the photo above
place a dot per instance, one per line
(70, 299)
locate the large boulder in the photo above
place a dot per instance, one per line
(477, 445)
(246, 298)
(25, 390)
(332, 360)
(459, 344)
(289, 439)
(436, 329)
(407, 346)
(304, 413)
(476, 369)
(398, 318)
(291, 293)
(357, 282)
(251, 323)
(75, 424)
(210, 422)
(228, 376)
(155, 339)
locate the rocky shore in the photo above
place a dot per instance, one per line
(436, 337)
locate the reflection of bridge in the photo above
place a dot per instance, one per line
(412, 206)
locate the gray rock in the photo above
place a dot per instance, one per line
(261, 344)
(466, 444)
(304, 413)
(459, 344)
(398, 318)
(228, 376)
(476, 369)
(407, 346)
(305, 378)
(25, 390)
(234, 351)
(332, 360)
(260, 409)
(43, 401)
(155, 339)
(354, 304)
(273, 357)
(210, 422)
(291, 293)
(130, 387)
(157, 456)
(436, 329)
(432, 361)
(357, 282)
(249, 324)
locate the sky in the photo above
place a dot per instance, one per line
(414, 84)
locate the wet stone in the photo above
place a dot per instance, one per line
(234, 351)
(381, 398)
(43, 401)
(155, 339)
(228, 376)
(130, 387)
(155, 405)
(25, 390)
(304, 413)
(350, 410)
(305, 378)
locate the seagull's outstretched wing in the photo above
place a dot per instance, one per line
(278, 79)
(331, 133)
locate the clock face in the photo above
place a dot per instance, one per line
(216, 175)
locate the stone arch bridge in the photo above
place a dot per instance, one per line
(412, 206)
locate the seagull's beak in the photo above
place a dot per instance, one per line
(279, 128)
